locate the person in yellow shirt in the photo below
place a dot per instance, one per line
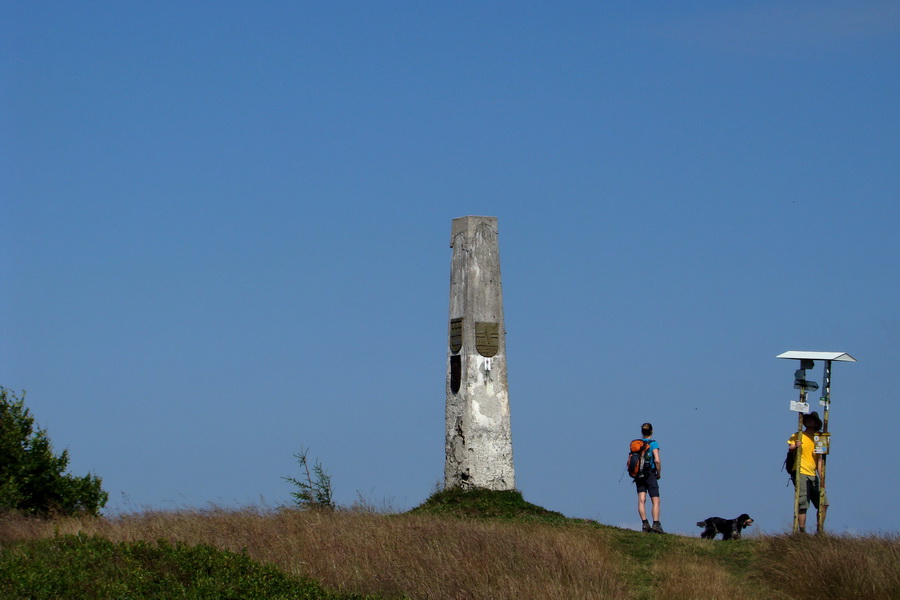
(810, 470)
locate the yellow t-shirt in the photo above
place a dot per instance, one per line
(807, 457)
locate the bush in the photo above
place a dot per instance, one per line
(32, 478)
(92, 568)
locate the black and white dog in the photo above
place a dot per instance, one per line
(729, 528)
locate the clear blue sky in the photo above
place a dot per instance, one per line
(225, 236)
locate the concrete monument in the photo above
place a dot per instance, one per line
(479, 439)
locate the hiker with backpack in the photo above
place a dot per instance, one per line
(810, 469)
(645, 468)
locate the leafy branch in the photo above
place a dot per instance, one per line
(314, 489)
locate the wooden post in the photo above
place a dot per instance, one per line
(826, 398)
(797, 460)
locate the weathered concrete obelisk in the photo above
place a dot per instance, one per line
(479, 439)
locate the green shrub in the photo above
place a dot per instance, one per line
(91, 568)
(32, 478)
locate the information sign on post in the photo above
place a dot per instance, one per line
(800, 407)
(823, 442)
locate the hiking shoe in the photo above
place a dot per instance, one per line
(657, 527)
(646, 528)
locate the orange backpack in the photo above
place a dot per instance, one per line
(638, 464)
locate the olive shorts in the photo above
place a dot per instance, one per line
(809, 492)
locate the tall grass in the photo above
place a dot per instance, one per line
(423, 555)
(418, 556)
(685, 574)
(833, 567)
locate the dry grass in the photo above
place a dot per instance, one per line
(684, 574)
(837, 568)
(419, 557)
(425, 556)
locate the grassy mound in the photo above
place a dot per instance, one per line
(481, 503)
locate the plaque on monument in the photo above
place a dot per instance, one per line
(456, 328)
(487, 339)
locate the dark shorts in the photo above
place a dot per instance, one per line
(648, 485)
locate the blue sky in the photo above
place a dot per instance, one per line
(226, 237)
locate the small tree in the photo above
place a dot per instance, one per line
(314, 490)
(32, 479)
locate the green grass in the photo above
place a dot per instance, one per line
(640, 551)
(486, 504)
(79, 567)
(761, 567)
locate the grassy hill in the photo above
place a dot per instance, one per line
(457, 544)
